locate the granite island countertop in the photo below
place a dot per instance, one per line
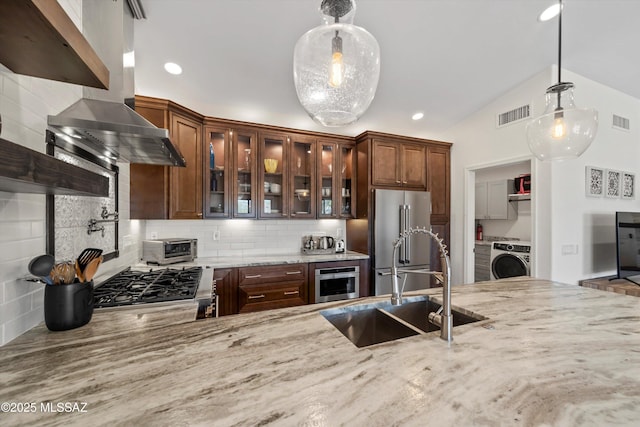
(550, 354)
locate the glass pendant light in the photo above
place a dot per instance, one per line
(336, 66)
(563, 131)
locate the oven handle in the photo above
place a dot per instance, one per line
(337, 276)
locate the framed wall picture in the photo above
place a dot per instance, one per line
(628, 185)
(594, 181)
(613, 183)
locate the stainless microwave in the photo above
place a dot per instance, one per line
(169, 251)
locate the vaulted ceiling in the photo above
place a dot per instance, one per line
(446, 58)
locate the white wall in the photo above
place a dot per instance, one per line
(588, 222)
(25, 103)
(560, 211)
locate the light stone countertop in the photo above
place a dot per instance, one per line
(550, 354)
(254, 261)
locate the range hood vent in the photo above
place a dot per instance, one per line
(114, 131)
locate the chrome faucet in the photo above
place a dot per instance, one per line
(443, 317)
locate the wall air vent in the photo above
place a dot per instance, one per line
(621, 123)
(514, 115)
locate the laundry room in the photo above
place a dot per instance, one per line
(503, 216)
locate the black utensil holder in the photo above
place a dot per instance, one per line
(68, 306)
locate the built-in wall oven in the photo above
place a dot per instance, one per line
(337, 283)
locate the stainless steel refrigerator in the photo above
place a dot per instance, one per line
(395, 211)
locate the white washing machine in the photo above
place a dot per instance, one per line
(510, 259)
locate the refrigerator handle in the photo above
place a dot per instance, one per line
(401, 228)
(407, 242)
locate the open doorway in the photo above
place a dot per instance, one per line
(502, 210)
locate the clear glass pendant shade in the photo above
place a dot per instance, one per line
(563, 131)
(336, 68)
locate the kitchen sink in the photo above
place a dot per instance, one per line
(417, 313)
(370, 324)
(366, 326)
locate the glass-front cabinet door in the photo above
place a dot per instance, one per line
(326, 194)
(302, 165)
(244, 190)
(217, 147)
(272, 176)
(347, 182)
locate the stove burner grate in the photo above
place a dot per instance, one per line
(130, 287)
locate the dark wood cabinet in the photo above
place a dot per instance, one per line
(439, 182)
(226, 280)
(288, 175)
(163, 192)
(268, 287)
(185, 184)
(397, 164)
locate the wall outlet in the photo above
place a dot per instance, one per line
(339, 232)
(154, 235)
(216, 235)
(569, 249)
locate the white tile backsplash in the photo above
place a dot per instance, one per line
(244, 237)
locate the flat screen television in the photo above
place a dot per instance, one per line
(628, 246)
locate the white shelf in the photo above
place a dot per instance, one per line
(516, 197)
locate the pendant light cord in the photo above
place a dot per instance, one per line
(560, 42)
(559, 53)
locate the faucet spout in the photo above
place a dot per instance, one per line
(443, 317)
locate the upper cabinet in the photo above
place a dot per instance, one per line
(492, 200)
(39, 39)
(163, 192)
(287, 173)
(398, 164)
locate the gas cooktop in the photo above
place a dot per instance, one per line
(139, 287)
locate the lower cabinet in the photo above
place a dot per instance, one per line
(248, 289)
(268, 287)
(226, 280)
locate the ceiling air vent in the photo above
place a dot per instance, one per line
(621, 123)
(514, 115)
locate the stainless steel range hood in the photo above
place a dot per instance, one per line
(101, 122)
(115, 131)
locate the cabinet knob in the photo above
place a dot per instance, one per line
(293, 272)
(292, 292)
(398, 182)
(256, 296)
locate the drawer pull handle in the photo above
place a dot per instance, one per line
(255, 276)
(293, 272)
(292, 292)
(256, 296)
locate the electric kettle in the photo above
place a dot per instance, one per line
(326, 242)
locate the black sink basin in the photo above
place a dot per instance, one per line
(370, 324)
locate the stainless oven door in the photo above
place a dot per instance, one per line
(333, 284)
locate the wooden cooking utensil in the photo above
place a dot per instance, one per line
(79, 274)
(91, 269)
(86, 256)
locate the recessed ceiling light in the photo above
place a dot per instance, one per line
(173, 68)
(417, 116)
(549, 13)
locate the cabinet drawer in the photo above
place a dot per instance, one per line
(272, 273)
(269, 296)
